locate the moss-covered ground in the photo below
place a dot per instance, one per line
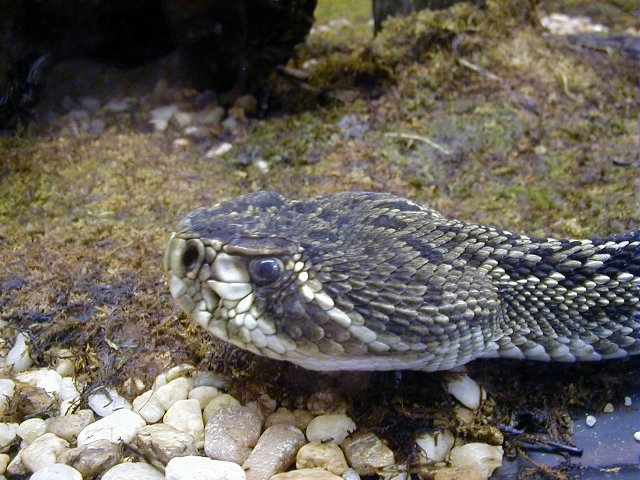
(474, 111)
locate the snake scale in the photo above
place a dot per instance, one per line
(372, 281)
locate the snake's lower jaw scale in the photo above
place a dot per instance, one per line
(369, 281)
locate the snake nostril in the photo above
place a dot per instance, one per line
(191, 258)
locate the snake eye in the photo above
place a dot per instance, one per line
(265, 270)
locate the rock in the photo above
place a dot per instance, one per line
(350, 474)
(330, 428)
(210, 116)
(465, 390)
(366, 453)
(57, 471)
(217, 403)
(149, 407)
(160, 117)
(43, 451)
(31, 429)
(4, 461)
(173, 391)
(327, 456)
(303, 418)
(248, 103)
(28, 399)
(69, 426)
(106, 402)
(209, 378)
(186, 416)
(453, 473)
(219, 150)
(118, 106)
(19, 356)
(93, 458)
(202, 468)
(7, 388)
(275, 452)
(435, 446)
(479, 456)
(306, 474)
(180, 120)
(231, 433)
(96, 125)
(327, 401)
(48, 380)
(165, 442)
(204, 394)
(133, 471)
(16, 467)
(282, 416)
(121, 426)
(8, 435)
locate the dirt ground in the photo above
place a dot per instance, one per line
(475, 111)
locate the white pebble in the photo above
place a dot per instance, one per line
(350, 474)
(173, 391)
(590, 420)
(7, 434)
(19, 355)
(202, 468)
(43, 451)
(204, 394)
(436, 446)
(68, 389)
(104, 403)
(149, 407)
(179, 371)
(627, 401)
(7, 387)
(636, 435)
(219, 150)
(466, 390)
(481, 456)
(49, 380)
(4, 461)
(31, 429)
(209, 378)
(121, 426)
(129, 471)
(186, 416)
(608, 408)
(57, 471)
(217, 403)
(330, 428)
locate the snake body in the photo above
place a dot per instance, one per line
(372, 281)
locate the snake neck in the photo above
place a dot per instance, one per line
(567, 300)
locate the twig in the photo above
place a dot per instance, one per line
(565, 87)
(411, 136)
(532, 439)
(479, 69)
(545, 468)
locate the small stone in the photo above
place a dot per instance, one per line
(636, 436)
(121, 426)
(28, 399)
(436, 446)
(43, 451)
(466, 390)
(92, 459)
(204, 394)
(186, 416)
(627, 401)
(366, 453)
(218, 151)
(97, 125)
(275, 452)
(217, 403)
(57, 471)
(590, 420)
(303, 418)
(608, 408)
(202, 468)
(16, 467)
(464, 415)
(165, 442)
(149, 407)
(4, 461)
(327, 456)
(19, 356)
(454, 473)
(326, 401)
(8, 435)
(173, 391)
(210, 116)
(160, 117)
(181, 142)
(231, 433)
(479, 456)
(31, 429)
(281, 416)
(350, 474)
(68, 389)
(330, 428)
(180, 120)
(306, 474)
(133, 470)
(106, 402)
(69, 426)
(209, 378)
(48, 380)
